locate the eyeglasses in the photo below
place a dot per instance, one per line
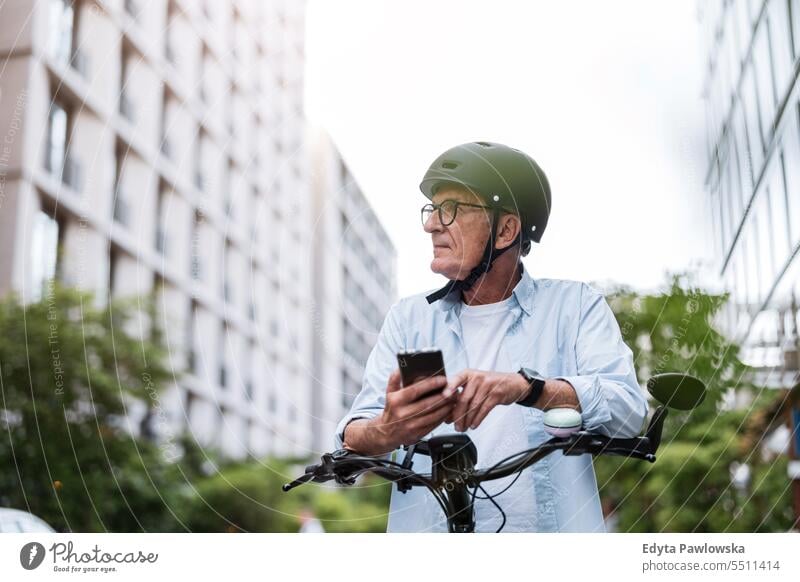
(447, 211)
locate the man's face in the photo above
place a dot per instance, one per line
(458, 248)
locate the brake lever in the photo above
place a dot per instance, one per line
(322, 472)
(327, 466)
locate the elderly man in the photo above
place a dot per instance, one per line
(513, 348)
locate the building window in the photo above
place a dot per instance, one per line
(780, 46)
(791, 155)
(196, 265)
(765, 86)
(44, 253)
(199, 178)
(126, 108)
(132, 8)
(223, 342)
(56, 140)
(113, 264)
(62, 20)
(189, 340)
(162, 240)
(191, 401)
(226, 269)
(122, 211)
(57, 160)
(222, 416)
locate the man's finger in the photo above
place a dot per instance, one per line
(459, 379)
(419, 389)
(426, 423)
(462, 407)
(487, 406)
(432, 402)
(482, 394)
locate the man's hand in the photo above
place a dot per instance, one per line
(482, 392)
(406, 418)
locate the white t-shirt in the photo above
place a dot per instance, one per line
(502, 433)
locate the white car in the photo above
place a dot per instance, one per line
(16, 521)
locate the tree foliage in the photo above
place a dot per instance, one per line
(74, 455)
(69, 372)
(247, 497)
(690, 488)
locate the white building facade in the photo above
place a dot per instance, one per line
(159, 146)
(354, 286)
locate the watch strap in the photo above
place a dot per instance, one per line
(537, 387)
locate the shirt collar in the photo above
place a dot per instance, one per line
(523, 293)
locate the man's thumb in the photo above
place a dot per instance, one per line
(394, 382)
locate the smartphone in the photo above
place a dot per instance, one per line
(416, 365)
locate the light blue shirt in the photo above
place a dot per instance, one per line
(562, 329)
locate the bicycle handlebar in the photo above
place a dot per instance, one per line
(453, 456)
(453, 460)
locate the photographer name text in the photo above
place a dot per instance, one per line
(705, 548)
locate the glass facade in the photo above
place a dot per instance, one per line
(753, 179)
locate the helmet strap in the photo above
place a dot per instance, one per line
(484, 266)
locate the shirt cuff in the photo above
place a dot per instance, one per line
(595, 410)
(339, 436)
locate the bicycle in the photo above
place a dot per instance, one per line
(454, 481)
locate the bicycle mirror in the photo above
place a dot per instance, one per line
(675, 390)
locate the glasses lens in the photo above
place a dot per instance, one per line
(447, 212)
(427, 210)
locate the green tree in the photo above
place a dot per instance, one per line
(69, 373)
(689, 488)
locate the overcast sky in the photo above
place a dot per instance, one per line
(606, 96)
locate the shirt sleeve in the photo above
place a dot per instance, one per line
(381, 362)
(612, 403)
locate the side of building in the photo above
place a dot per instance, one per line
(159, 146)
(354, 286)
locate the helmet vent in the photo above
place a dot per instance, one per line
(484, 144)
(449, 165)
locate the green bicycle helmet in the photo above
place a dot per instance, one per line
(507, 180)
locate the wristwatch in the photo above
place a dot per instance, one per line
(536, 382)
